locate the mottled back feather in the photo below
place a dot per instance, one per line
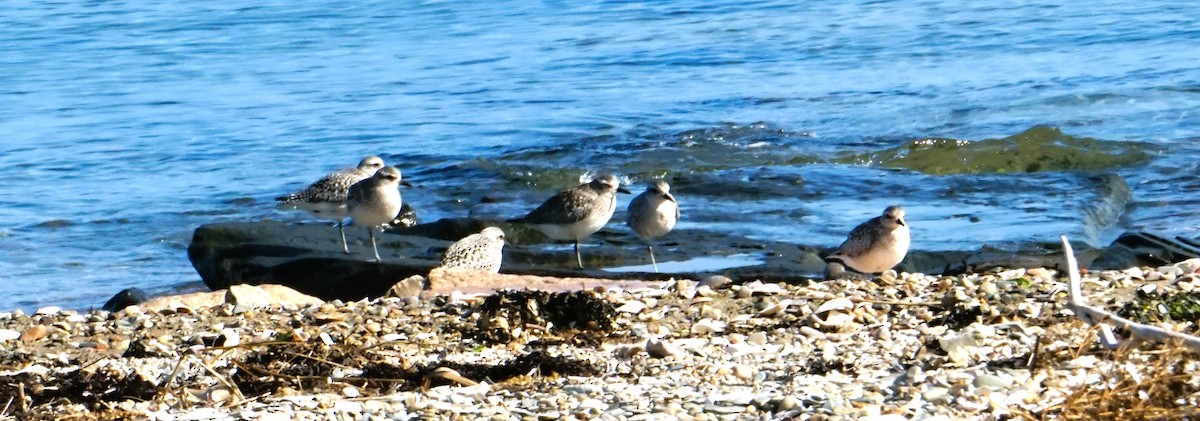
(331, 188)
(567, 207)
(334, 187)
(482, 251)
(863, 237)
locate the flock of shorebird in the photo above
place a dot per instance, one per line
(369, 195)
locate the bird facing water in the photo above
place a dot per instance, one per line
(482, 252)
(326, 198)
(375, 201)
(874, 246)
(576, 213)
(653, 214)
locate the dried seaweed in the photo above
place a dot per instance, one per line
(507, 311)
(1163, 389)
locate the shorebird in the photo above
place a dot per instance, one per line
(576, 213)
(482, 252)
(653, 214)
(326, 198)
(375, 201)
(873, 246)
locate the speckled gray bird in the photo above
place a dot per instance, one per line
(482, 252)
(576, 213)
(375, 201)
(873, 246)
(326, 198)
(653, 214)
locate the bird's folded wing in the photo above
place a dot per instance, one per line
(860, 239)
(564, 208)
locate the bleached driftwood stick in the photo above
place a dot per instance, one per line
(1094, 315)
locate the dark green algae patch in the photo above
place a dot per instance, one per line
(1041, 148)
(1154, 307)
(640, 154)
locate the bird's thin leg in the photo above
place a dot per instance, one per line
(578, 260)
(652, 262)
(373, 246)
(342, 230)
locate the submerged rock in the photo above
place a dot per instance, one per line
(1041, 148)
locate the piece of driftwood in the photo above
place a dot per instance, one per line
(1094, 315)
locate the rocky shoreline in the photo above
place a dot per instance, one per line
(994, 345)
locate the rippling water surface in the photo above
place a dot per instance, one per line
(125, 125)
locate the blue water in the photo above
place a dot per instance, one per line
(126, 124)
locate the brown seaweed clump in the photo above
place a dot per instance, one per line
(506, 314)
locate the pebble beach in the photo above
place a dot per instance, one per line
(996, 345)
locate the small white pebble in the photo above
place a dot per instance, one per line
(1134, 272)
(743, 372)
(48, 311)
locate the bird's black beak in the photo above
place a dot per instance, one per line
(901, 222)
(405, 183)
(623, 190)
(668, 197)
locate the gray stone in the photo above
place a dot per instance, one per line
(268, 296)
(242, 297)
(127, 297)
(193, 300)
(715, 281)
(408, 287)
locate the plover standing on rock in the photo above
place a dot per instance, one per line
(576, 213)
(375, 201)
(653, 214)
(482, 252)
(873, 246)
(326, 198)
